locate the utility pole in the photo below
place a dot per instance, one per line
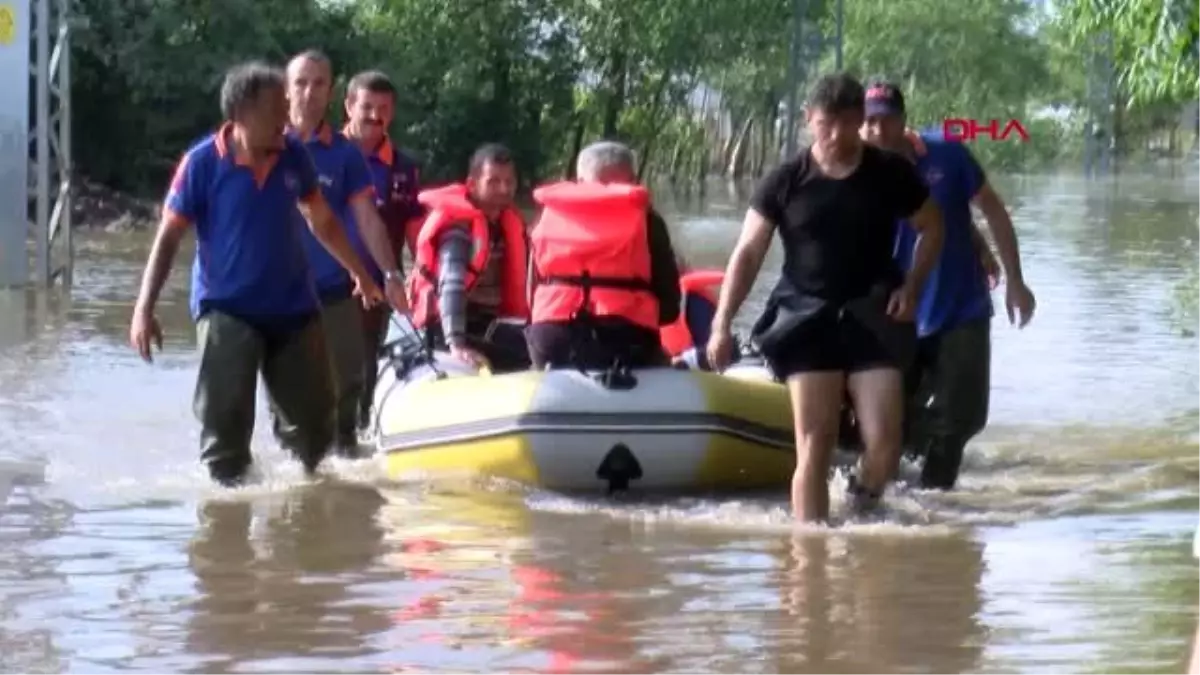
(840, 37)
(43, 28)
(1099, 143)
(791, 111)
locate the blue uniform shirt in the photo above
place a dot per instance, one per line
(956, 291)
(343, 175)
(397, 181)
(250, 260)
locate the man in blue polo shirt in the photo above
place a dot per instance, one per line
(346, 183)
(370, 105)
(253, 296)
(953, 358)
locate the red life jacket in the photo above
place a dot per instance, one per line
(677, 338)
(448, 206)
(590, 254)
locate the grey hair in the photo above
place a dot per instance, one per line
(245, 83)
(603, 157)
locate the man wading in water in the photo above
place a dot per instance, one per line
(840, 317)
(370, 105)
(345, 181)
(253, 297)
(954, 317)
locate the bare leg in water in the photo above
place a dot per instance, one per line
(816, 407)
(879, 409)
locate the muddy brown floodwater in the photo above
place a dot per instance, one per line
(1066, 549)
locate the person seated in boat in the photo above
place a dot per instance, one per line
(468, 292)
(685, 338)
(603, 276)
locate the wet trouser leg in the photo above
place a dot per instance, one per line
(298, 377)
(231, 352)
(916, 396)
(374, 327)
(343, 324)
(957, 374)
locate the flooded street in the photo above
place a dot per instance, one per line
(1067, 547)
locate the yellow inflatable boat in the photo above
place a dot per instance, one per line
(660, 429)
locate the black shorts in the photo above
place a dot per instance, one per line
(842, 342)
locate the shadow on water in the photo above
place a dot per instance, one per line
(1065, 547)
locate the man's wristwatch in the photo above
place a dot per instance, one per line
(393, 275)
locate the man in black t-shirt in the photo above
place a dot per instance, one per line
(840, 316)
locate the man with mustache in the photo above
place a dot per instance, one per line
(468, 286)
(252, 294)
(370, 106)
(346, 183)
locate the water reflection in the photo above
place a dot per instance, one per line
(589, 611)
(32, 582)
(456, 566)
(16, 327)
(272, 587)
(34, 313)
(523, 590)
(876, 604)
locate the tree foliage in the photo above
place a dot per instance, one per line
(1154, 43)
(545, 76)
(978, 63)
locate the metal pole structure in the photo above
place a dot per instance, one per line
(42, 137)
(1100, 140)
(1092, 124)
(65, 158)
(1101, 91)
(15, 34)
(1111, 100)
(59, 226)
(52, 140)
(841, 20)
